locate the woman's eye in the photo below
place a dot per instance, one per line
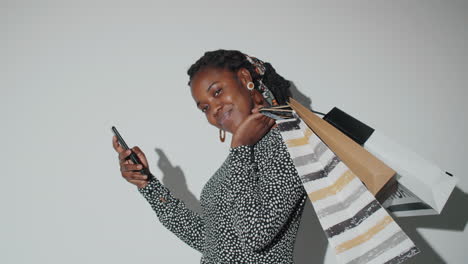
(204, 109)
(217, 92)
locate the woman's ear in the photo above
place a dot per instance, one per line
(243, 75)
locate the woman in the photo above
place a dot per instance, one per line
(253, 204)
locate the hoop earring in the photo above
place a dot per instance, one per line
(250, 86)
(222, 135)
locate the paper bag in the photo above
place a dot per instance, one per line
(356, 225)
(374, 173)
(423, 188)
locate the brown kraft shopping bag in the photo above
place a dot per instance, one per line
(376, 175)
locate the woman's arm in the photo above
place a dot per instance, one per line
(186, 224)
(263, 201)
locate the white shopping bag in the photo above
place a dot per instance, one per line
(423, 188)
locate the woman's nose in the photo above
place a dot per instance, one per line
(216, 108)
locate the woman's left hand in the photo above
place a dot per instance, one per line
(252, 129)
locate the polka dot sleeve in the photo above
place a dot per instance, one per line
(264, 195)
(186, 224)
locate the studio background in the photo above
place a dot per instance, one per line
(69, 70)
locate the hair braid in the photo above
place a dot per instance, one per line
(233, 60)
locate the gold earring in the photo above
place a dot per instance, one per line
(222, 135)
(250, 86)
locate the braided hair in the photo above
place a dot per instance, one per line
(233, 60)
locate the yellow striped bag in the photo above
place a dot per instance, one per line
(358, 228)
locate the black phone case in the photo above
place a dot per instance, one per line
(133, 156)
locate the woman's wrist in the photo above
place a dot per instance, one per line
(239, 142)
(149, 178)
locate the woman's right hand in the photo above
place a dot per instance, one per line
(129, 170)
(252, 129)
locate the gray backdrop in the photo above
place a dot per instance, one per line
(72, 69)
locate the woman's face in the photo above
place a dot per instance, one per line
(223, 97)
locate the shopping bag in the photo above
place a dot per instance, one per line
(358, 228)
(423, 188)
(375, 174)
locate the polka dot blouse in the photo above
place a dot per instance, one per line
(252, 207)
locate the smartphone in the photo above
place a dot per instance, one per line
(133, 156)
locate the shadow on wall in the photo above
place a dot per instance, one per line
(453, 217)
(311, 242)
(174, 179)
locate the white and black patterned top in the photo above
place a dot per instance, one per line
(252, 207)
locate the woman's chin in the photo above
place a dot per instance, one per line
(232, 124)
(232, 127)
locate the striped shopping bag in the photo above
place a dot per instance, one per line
(357, 227)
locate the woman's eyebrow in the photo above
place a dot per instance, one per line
(208, 89)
